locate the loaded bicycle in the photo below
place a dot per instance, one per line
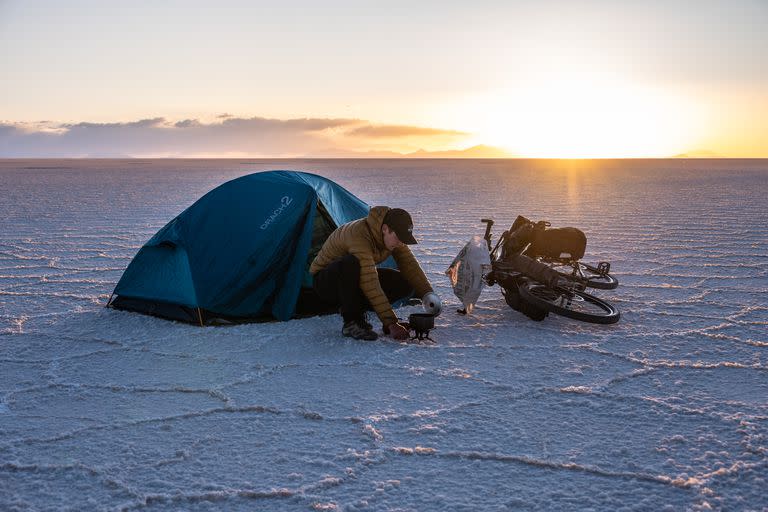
(540, 271)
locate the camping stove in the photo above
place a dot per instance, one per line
(421, 323)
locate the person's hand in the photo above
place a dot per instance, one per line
(398, 332)
(432, 303)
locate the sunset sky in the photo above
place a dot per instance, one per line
(541, 78)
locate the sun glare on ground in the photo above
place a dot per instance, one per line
(568, 117)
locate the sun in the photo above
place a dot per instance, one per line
(577, 117)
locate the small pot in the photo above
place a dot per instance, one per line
(421, 322)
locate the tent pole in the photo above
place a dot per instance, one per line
(110, 300)
(200, 317)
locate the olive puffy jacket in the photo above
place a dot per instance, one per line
(363, 239)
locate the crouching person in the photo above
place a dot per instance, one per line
(344, 272)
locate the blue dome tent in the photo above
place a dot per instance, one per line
(241, 252)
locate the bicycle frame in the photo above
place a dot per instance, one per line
(505, 270)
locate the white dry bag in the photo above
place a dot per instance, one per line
(466, 272)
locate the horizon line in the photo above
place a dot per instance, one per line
(404, 157)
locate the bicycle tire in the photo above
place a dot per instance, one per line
(573, 304)
(597, 279)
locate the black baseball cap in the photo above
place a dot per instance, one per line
(400, 222)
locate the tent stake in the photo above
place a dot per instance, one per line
(200, 317)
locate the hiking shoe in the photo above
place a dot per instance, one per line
(362, 320)
(359, 330)
(365, 323)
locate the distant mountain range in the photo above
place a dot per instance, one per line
(479, 151)
(483, 151)
(699, 153)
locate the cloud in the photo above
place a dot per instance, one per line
(144, 123)
(187, 123)
(159, 137)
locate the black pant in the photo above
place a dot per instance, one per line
(339, 284)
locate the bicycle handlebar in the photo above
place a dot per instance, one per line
(487, 237)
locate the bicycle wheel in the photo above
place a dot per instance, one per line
(570, 303)
(598, 279)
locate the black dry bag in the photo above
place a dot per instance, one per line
(564, 243)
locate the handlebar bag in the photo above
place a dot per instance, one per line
(563, 243)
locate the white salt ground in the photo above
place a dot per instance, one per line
(667, 410)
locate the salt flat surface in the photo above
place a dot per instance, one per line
(667, 410)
